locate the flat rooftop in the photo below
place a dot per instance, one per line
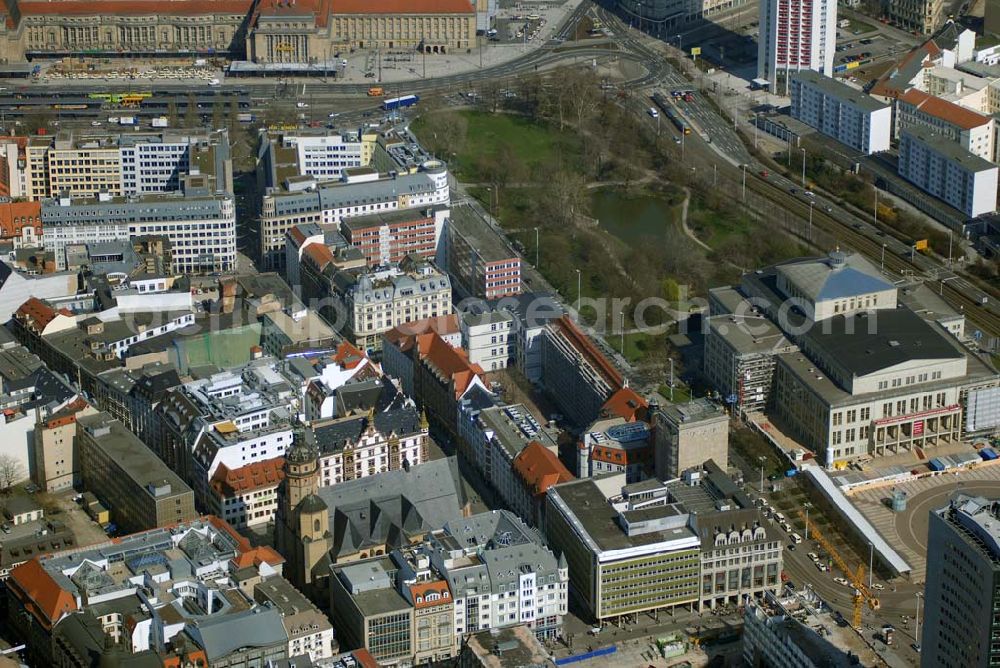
(478, 233)
(948, 149)
(865, 343)
(390, 217)
(133, 457)
(600, 519)
(839, 90)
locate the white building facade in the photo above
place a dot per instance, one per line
(842, 112)
(795, 35)
(947, 171)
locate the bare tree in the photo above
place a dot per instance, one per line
(11, 472)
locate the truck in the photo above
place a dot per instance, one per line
(375, 91)
(160, 122)
(244, 117)
(126, 120)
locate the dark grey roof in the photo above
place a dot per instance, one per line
(221, 635)
(397, 419)
(392, 507)
(311, 504)
(865, 343)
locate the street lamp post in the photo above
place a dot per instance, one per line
(871, 562)
(680, 43)
(916, 631)
(744, 182)
(578, 295)
(537, 248)
(882, 262)
(761, 460)
(803, 167)
(807, 506)
(622, 314)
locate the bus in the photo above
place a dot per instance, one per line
(400, 102)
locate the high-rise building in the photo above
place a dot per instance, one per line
(964, 555)
(795, 35)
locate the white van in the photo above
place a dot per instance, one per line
(653, 112)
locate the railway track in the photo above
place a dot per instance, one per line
(987, 321)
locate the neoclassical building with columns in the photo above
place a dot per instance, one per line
(263, 31)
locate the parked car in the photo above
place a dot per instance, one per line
(842, 581)
(813, 556)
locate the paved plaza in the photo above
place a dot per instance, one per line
(907, 531)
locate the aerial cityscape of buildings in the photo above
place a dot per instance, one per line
(301, 369)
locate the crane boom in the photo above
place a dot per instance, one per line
(862, 594)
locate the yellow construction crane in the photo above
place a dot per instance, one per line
(862, 594)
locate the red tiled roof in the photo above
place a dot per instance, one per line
(589, 351)
(947, 111)
(257, 556)
(66, 414)
(403, 7)
(40, 594)
(320, 254)
(40, 313)
(365, 659)
(625, 403)
(133, 7)
(348, 356)
(621, 457)
(421, 589)
(296, 234)
(258, 475)
(451, 362)
(442, 324)
(15, 216)
(539, 468)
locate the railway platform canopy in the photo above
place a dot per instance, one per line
(245, 68)
(859, 525)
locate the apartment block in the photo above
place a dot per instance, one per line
(385, 238)
(575, 373)
(923, 17)
(970, 130)
(841, 111)
(128, 478)
(478, 259)
(361, 191)
(616, 445)
(370, 302)
(320, 153)
(795, 36)
(960, 627)
(199, 224)
(489, 338)
(246, 496)
(947, 171)
(56, 457)
(85, 165)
